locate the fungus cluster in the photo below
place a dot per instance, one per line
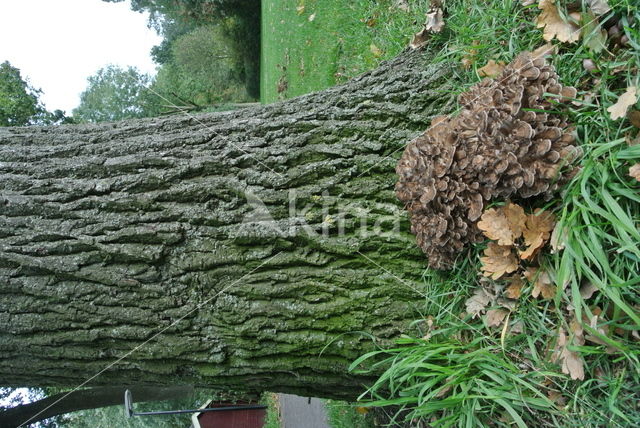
(505, 142)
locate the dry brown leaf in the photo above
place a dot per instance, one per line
(376, 51)
(540, 222)
(371, 22)
(470, 57)
(419, 39)
(542, 283)
(514, 289)
(517, 327)
(633, 141)
(599, 7)
(435, 21)
(477, 303)
(626, 100)
(495, 317)
(491, 69)
(498, 260)
(558, 238)
(587, 290)
(536, 233)
(544, 51)
(634, 118)
(571, 362)
(578, 331)
(557, 398)
(553, 24)
(533, 246)
(516, 217)
(504, 224)
(634, 171)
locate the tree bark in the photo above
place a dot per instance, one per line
(258, 249)
(83, 399)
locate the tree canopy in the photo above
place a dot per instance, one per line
(19, 101)
(115, 93)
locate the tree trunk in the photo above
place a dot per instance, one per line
(83, 399)
(259, 249)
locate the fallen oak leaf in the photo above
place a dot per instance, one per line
(419, 39)
(478, 302)
(435, 21)
(491, 69)
(634, 171)
(571, 363)
(534, 245)
(544, 51)
(505, 224)
(553, 24)
(634, 118)
(626, 100)
(558, 238)
(542, 284)
(470, 56)
(495, 317)
(540, 222)
(498, 260)
(599, 7)
(514, 289)
(539, 226)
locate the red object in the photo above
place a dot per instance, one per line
(253, 418)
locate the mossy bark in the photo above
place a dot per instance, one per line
(236, 250)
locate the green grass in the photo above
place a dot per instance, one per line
(344, 415)
(334, 46)
(467, 374)
(270, 399)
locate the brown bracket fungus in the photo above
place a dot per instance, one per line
(505, 142)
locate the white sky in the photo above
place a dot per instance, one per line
(57, 44)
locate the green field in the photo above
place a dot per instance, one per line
(308, 45)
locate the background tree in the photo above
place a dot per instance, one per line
(239, 19)
(202, 71)
(19, 102)
(115, 93)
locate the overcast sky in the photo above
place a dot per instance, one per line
(57, 44)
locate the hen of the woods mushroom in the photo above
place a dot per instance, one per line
(505, 142)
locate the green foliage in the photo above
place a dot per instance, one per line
(114, 93)
(344, 415)
(450, 382)
(201, 71)
(239, 19)
(19, 103)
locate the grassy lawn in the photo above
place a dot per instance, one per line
(308, 45)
